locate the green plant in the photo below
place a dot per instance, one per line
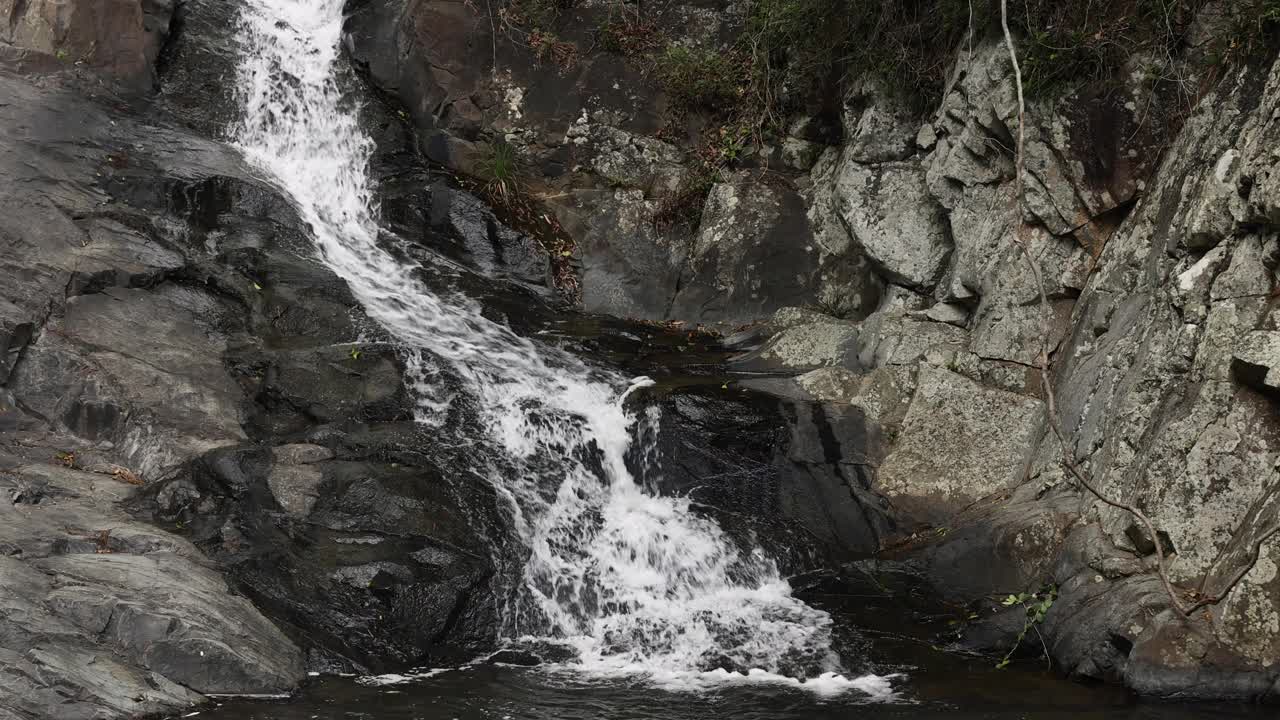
(700, 79)
(61, 54)
(500, 172)
(1064, 45)
(838, 305)
(1036, 605)
(629, 35)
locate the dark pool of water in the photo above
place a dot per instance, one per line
(882, 633)
(501, 693)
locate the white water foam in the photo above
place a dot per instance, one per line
(637, 584)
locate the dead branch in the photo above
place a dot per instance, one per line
(1222, 595)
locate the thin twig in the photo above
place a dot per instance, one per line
(493, 36)
(1045, 309)
(1048, 657)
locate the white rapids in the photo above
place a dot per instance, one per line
(637, 584)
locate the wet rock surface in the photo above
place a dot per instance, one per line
(172, 352)
(210, 474)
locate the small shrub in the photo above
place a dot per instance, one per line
(1063, 46)
(842, 306)
(537, 14)
(547, 47)
(703, 79)
(683, 207)
(1036, 605)
(628, 33)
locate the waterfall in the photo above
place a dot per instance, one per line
(636, 584)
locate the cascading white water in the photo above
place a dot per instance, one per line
(637, 584)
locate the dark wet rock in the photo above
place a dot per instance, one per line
(370, 565)
(630, 267)
(197, 66)
(485, 243)
(585, 136)
(165, 316)
(777, 468)
(515, 657)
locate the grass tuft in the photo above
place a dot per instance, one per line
(500, 172)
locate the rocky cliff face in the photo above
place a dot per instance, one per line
(212, 479)
(1158, 257)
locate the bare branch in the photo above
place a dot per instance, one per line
(1222, 595)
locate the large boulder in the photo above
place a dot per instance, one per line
(755, 252)
(630, 267)
(121, 38)
(778, 468)
(1164, 401)
(959, 442)
(371, 565)
(889, 214)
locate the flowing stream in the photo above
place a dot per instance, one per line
(636, 584)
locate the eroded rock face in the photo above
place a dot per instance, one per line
(585, 133)
(274, 437)
(888, 213)
(777, 467)
(1140, 349)
(753, 253)
(116, 333)
(1162, 352)
(1160, 284)
(121, 38)
(374, 565)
